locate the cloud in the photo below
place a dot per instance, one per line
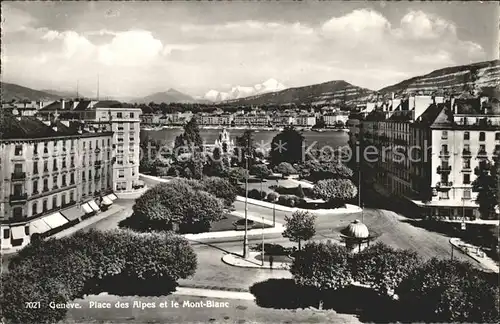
(441, 57)
(358, 23)
(418, 25)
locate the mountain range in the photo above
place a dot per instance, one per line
(463, 79)
(239, 92)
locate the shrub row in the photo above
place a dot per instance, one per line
(88, 262)
(432, 291)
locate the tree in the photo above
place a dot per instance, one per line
(322, 266)
(335, 192)
(220, 188)
(261, 172)
(237, 174)
(300, 192)
(300, 227)
(245, 147)
(449, 291)
(285, 169)
(486, 187)
(316, 171)
(382, 267)
(287, 146)
(176, 202)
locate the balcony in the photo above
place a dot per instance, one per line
(35, 155)
(466, 153)
(443, 169)
(482, 154)
(97, 164)
(444, 154)
(18, 198)
(444, 185)
(16, 176)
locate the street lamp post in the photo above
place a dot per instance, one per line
(245, 239)
(274, 207)
(262, 240)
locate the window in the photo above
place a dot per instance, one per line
(466, 178)
(90, 174)
(71, 196)
(120, 126)
(18, 150)
(132, 126)
(35, 186)
(121, 173)
(481, 136)
(466, 136)
(72, 143)
(90, 144)
(467, 164)
(467, 194)
(482, 148)
(45, 147)
(64, 163)
(18, 168)
(119, 161)
(54, 165)
(54, 182)
(444, 148)
(17, 212)
(6, 233)
(444, 195)
(18, 189)
(72, 178)
(63, 181)
(497, 136)
(109, 141)
(131, 115)
(119, 115)
(34, 209)
(45, 184)
(72, 162)
(131, 139)
(27, 230)
(35, 167)
(44, 205)
(63, 199)
(45, 166)
(35, 149)
(444, 135)
(84, 144)
(83, 175)
(54, 202)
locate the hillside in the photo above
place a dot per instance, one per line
(331, 92)
(63, 94)
(480, 77)
(12, 91)
(168, 96)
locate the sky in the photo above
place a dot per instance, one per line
(138, 48)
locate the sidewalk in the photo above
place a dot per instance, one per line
(209, 293)
(252, 262)
(223, 234)
(350, 209)
(475, 253)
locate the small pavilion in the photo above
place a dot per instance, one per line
(357, 236)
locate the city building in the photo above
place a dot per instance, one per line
(53, 174)
(428, 155)
(335, 118)
(251, 119)
(219, 119)
(305, 120)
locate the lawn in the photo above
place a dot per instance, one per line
(239, 311)
(226, 224)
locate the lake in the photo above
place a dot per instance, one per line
(331, 138)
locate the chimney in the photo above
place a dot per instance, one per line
(62, 104)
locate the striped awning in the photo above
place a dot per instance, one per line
(106, 200)
(93, 205)
(17, 232)
(39, 226)
(112, 196)
(55, 220)
(87, 209)
(72, 213)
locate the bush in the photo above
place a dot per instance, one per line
(285, 168)
(300, 192)
(272, 196)
(335, 191)
(449, 291)
(322, 266)
(255, 194)
(220, 188)
(61, 270)
(242, 222)
(382, 267)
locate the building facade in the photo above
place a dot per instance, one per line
(428, 156)
(49, 167)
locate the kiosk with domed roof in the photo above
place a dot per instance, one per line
(357, 236)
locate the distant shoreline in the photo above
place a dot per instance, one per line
(278, 129)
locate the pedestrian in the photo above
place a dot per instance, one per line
(271, 259)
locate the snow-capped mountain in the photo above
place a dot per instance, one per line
(239, 92)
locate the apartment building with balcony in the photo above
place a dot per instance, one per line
(429, 157)
(219, 119)
(51, 174)
(123, 122)
(335, 118)
(251, 119)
